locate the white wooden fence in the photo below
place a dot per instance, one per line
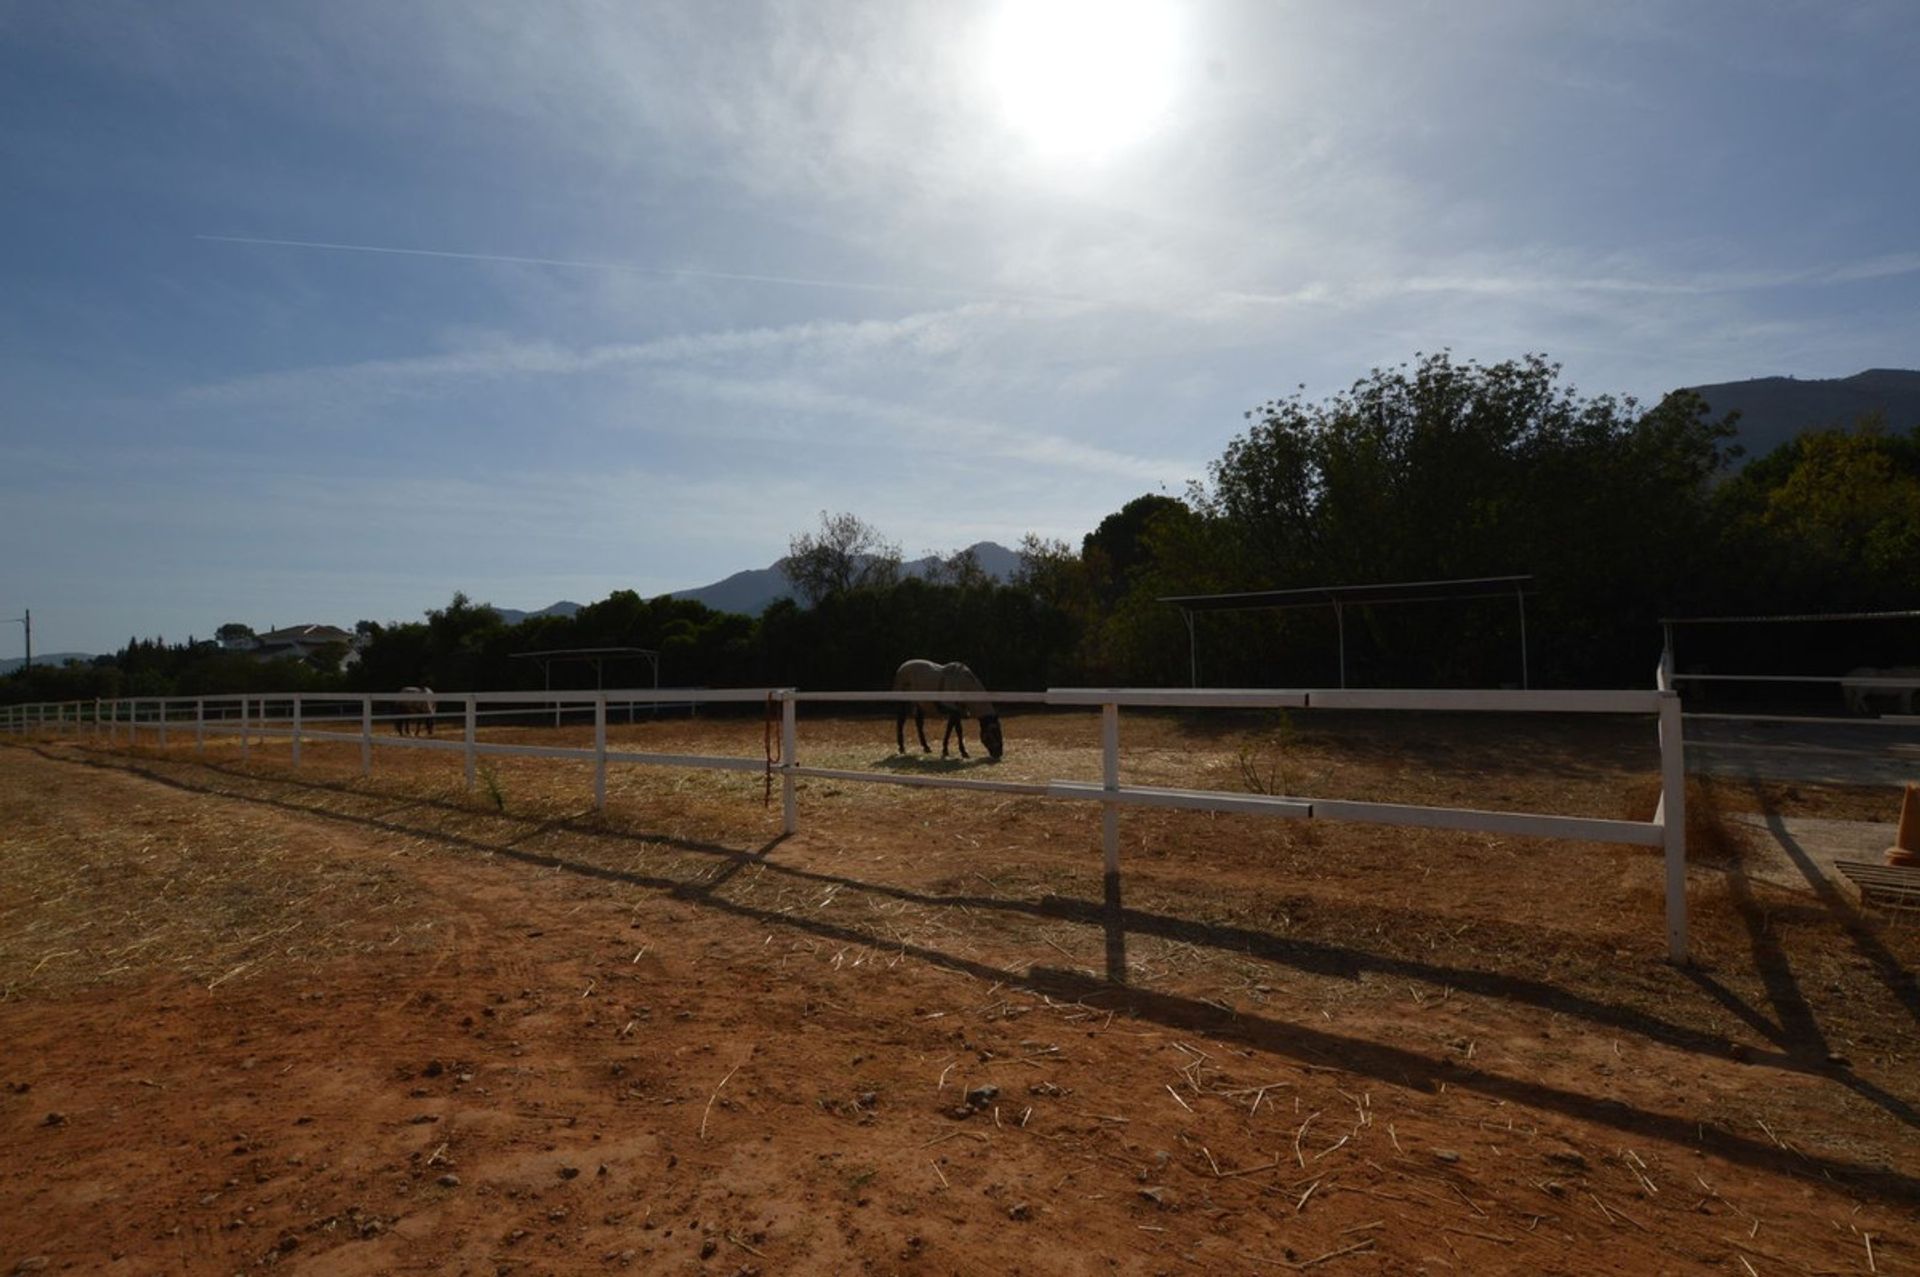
(301, 718)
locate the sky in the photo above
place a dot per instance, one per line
(320, 312)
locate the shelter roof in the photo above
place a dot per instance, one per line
(1805, 616)
(1328, 595)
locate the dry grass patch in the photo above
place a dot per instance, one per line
(166, 882)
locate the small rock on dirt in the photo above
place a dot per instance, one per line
(54, 1119)
(449, 1180)
(1160, 1195)
(569, 1172)
(1446, 1155)
(1020, 1210)
(981, 1096)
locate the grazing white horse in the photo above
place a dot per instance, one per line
(1859, 695)
(929, 676)
(414, 714)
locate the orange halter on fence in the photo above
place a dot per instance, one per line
(774, 746)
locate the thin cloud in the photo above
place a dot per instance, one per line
(636, 268)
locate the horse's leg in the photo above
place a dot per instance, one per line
(958, 727)
(900, 727)
(920, 725)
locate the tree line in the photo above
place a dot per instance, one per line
(1434, 469)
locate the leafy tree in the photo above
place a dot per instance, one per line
(846, 554)
(1443, 470)
(961, 569)
(1831, 519)
(1118, 548)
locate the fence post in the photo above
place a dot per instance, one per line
(471, 716)
(1110, 841)
(163, 723)
(600, 751)
(243, 729)
(1673, 813)
(296, 729)
(366, 735)
(789, 743)
(96, 719)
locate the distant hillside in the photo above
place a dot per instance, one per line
(513, 615)
(56, 659)
(750, 592)
(1774, 410)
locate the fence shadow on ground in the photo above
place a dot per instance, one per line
(1794, 1021)
(1312, 1046)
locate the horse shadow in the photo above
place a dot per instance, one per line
(920, 764)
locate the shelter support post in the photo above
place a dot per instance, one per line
(200, 726)
(1521, 597)
(296, 729)
(472, 717)
(243, 729)
(366, 735)
(1340, 621)
(1193, 649)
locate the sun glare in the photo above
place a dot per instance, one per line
(1082, 77)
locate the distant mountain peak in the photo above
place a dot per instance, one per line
(751, 591)
(513, 616)
(1774, 410)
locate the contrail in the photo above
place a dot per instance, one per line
(791, 281)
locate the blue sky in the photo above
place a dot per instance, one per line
(667, 280)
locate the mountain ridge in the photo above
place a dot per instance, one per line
(752, 590)
(1775, 410)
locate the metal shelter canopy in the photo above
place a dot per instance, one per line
(1340, 597)
(596, 657)
(1668, 622)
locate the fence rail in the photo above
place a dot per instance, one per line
(1893, 689)
(302, 718)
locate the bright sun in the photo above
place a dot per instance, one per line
(1082, 77)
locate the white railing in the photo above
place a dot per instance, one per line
(1865, 684)
(301, 718)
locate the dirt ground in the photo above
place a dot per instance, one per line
(253, 1017)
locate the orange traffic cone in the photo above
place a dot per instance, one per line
(1906, 843)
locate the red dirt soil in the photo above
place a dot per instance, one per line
(263, 1018)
